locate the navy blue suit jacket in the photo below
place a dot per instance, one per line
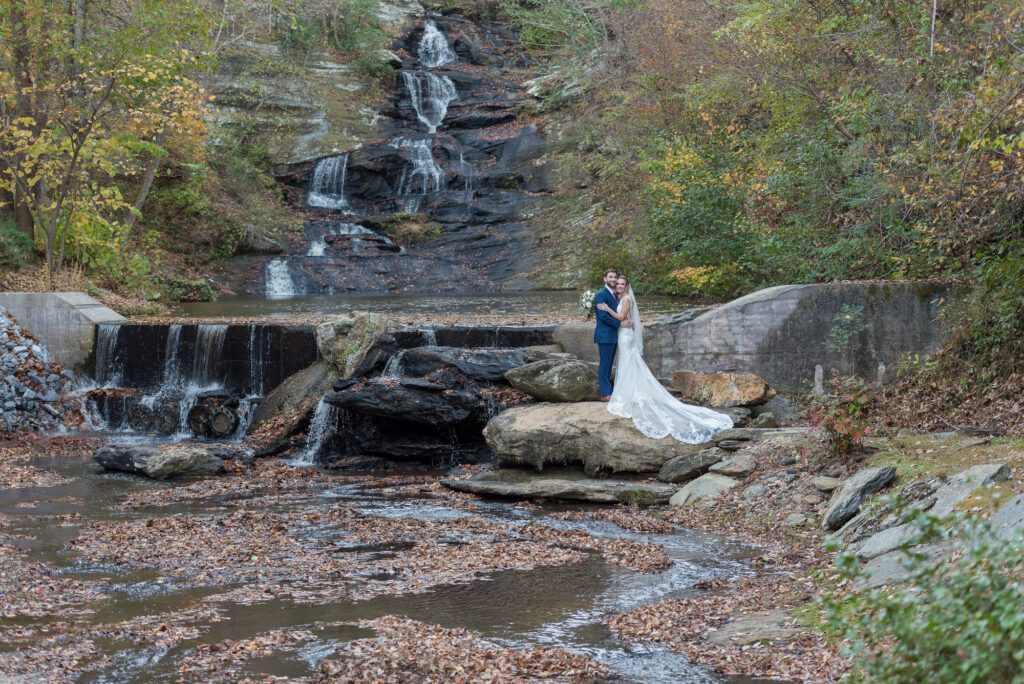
(607, 329)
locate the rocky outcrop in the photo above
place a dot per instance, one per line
(356, 345)
(584, 433)
(518, 484)
(707, 487)
(722, 388)
(846, 500)
(163, 462)
(556, 379)
(415, 403)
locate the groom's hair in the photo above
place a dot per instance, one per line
(610, 270)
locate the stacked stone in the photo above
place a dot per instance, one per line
(32, 386)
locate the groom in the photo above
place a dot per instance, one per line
(606, 333)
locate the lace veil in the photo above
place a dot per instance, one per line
(634, 318)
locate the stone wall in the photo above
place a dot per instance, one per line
(782, 333)
(64, 321)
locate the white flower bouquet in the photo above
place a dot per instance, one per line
(587, 302)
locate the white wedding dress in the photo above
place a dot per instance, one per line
(637, 394)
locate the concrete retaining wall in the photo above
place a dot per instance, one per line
(781, 333)
(64, 321)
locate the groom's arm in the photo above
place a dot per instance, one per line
(604, 316)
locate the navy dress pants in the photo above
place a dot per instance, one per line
(604, 369)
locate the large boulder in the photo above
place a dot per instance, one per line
(519, 484)
(577, 338)
(846, 500)
(686, 467)
(311, 382)
(480, 364)
(965, 483)
(162, 462)
(585, 433)
(355, 345)
(722, 388)
(557, 379)
(707, 487)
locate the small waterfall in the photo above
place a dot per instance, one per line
(430, 95)
(278, 279)
(109, 367)
(172, 356)
(429, 337)
(434, 50)
(258, 344)
(327, 187)
(395, 367)
(321, 427)
(209, 349)
(466, 170)
(425, 175)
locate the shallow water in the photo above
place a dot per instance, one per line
(562, 606)
(553, 303)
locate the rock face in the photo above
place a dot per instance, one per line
(722, 388)
(846, 500)
(963, 484)
(163, 462)
(518, 484)
(355, 345)
(558, 380)
(584, 433)
(418, 405)
(705, 488)
(685, 467)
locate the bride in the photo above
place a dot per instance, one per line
(637, 394)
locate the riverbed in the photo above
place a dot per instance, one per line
(267, 571)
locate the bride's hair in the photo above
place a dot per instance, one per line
(622, 277)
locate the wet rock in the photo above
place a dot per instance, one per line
(562, 485)
(739, 466)
(586, 433)
(722, 388)
(705, 488)
(556, 379)
(685, 467)
(162, 462)
(846, 500)
(488, 365)
(409, 404)
(356, 345)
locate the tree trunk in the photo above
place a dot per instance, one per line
(21, 54)
(147, 180)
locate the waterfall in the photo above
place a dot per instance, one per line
(395, 367)
(109, 368)
(327, 188)
(434, 50)
(321, 427)
(466, 169)
(278, 279)
(258, 345)
(172, 357)
(429, 337)
(209, 348)
(430, 95)
(425, 172)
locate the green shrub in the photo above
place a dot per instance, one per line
(958, 621)
(185, 290)
(15, 246)
(839, 419)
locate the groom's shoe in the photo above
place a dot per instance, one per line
(606, 398)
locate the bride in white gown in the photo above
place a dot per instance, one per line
(637, 394)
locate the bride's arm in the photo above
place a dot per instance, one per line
(623, 316)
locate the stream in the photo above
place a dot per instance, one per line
(562, 605)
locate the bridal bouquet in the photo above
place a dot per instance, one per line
(587, 302)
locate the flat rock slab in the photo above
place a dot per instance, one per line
(1008, 521)
(770, 626)
(891, 568)
(686, 467)
(965, 483)
(518, 484)
(737, 465)
(846, 500)
(585, 433)
(885, 541)
(164, 461)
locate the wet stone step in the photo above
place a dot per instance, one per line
(569, 486)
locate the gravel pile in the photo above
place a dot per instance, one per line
(32, 386)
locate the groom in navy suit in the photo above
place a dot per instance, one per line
(606, 333)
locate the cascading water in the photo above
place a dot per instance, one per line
(429, 337)
(278, 280)
(321, 427)
(430, 94)
(327, 188)
(395, 367)
(434, 50)
(108, 367)
(425, 175)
